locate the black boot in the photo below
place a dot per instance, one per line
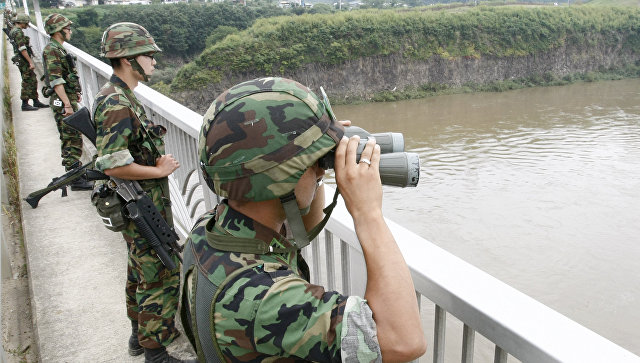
(38, 104)
(27, 107)
(160, 355)
(135, 348)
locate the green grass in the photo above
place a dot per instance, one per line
(613, 3)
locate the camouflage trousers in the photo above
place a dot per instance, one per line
(70, 139)
(151, 289)
(29, 82)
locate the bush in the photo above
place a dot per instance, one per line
(218, 34)
(267, 46)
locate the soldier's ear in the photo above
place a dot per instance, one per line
(125, 61)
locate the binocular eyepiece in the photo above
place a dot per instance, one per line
(397, 167)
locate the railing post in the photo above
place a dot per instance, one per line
(438, 334)
(468, 337)
(328, 248)
(500, 355)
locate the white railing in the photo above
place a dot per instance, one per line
(448, 289)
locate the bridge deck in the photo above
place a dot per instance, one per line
(77, 268)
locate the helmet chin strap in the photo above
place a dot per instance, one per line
(136, 67)
(294, 215)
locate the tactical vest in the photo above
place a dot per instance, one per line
(198, 321)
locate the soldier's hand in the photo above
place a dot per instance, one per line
(68, 111)
(79, 97)
(167, 164)
(31, 66)
(359, 183)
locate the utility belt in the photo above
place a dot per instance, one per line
(110, 205)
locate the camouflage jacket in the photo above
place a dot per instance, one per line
(120, 138)
(271, 310)
(20, 40)
(60, 69)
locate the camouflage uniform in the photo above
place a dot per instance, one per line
(29, 79)
(256, 304)
(61, 70)
(8, 24)
(151, 289)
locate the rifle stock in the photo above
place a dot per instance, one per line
(81, 121)
(60, 182)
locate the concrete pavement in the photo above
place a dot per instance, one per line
(77, 268)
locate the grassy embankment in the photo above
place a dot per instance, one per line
(278, 46)
(9, 159)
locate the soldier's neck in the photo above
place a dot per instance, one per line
(127, 76)
(268, 212)
(58, 37)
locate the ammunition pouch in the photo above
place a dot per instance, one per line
(109, 206)
(47, 91)
(16, 59)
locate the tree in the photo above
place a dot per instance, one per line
(219, 33)
(88, 18)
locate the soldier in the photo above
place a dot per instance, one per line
(22, 58)
(62, 85)
(8, 24)
(130, 147)
(246, 291)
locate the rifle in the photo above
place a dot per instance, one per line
(137, 205)
(69, 177)
(140, 209)
(63, 181)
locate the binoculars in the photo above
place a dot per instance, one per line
(397, 167)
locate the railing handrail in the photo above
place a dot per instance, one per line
(515, 322)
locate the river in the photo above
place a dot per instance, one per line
(538, 187)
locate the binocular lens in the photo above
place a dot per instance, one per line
(400, 169)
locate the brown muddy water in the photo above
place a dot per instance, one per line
(538, 187)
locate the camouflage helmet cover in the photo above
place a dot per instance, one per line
(259, 137)
(122, 40)
(56, 22)
(22, 18)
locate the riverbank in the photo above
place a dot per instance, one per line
(370, 55)
(429, 90)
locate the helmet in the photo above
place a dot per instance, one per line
(259, 137)
(22, 18)
(123, 40)
(55, 22)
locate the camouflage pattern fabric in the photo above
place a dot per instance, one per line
(259, 137)
(55, 22)
(61, 71)
(271, 312)
(8, 24)
(124, 40)
(152, 290)
(29, 79)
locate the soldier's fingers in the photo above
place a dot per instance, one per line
(365, 157)
(352, 147)
(341, 150)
